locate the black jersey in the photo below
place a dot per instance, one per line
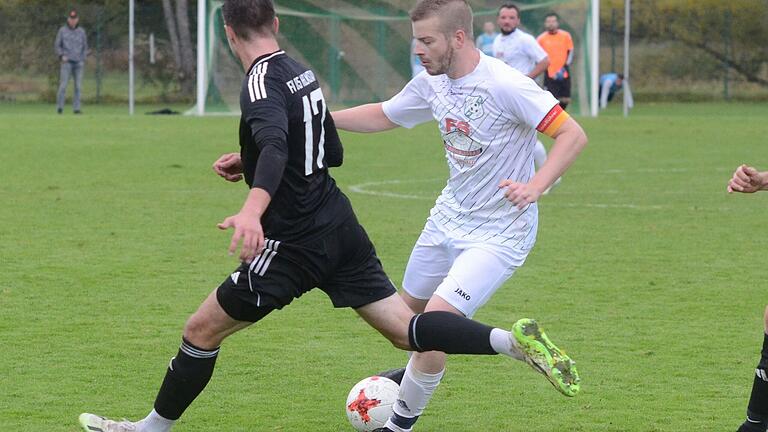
(287, 142)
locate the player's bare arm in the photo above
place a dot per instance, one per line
(570, 140)
(539, 68)
(229, 166)
(747, 179)
(363, 118)
(247, 225)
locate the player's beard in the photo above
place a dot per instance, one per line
(445, 62)
(507, 32)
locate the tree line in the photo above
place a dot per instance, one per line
(28, 29)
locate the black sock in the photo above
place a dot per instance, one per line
(187, 376)
(449, 333)
(757, 411)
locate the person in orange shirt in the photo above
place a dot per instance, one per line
(559, 47)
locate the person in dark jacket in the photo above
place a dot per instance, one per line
(71, 46)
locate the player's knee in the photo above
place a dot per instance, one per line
(449, 288)
(399, 337)
(198, 331)
(416, 305)
(430, 361)
(401, 343)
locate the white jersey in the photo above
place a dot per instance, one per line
(488, 122)
(519, 50)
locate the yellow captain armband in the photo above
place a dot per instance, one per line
(552, 121)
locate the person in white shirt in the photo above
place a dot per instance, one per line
(516, 47)
(484, 222)
(521, 51)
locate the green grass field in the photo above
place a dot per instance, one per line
(645, 271)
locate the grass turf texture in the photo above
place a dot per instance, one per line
(645, 271)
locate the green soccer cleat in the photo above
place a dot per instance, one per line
(542, 355)
(94, 423)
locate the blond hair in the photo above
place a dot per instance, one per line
(453, 15)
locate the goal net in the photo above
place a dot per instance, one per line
(361, 51)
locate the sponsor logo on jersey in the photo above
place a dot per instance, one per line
(462, 149)
(453, 124)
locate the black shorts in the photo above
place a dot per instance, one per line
(559, 88)
(343, 264)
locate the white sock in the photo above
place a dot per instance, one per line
(503, 343)
(539, 154)
(416, 390)
(154, 422)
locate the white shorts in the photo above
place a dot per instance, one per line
(465, 273)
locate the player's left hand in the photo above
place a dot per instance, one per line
(746, 179)
(520, 194)
(247, 228)
(229, 166)
(560, 75)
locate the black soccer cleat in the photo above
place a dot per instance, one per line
(395, 375)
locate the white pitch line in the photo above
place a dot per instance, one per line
(364, 188)
(649, 171)
(603, 206)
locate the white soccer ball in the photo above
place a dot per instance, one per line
(370, 402)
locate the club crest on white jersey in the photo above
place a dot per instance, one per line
(473, 107)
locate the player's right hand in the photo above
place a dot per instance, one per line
(746, 179)
(229, 166)
(247, 228)
(519, 194)
(64, 59)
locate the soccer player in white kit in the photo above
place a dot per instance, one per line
(521, 51)
(484, 222)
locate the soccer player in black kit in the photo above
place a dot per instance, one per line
(297, 229)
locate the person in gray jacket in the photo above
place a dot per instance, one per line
(71, 46)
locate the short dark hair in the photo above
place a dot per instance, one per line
(552, 14)
(509, 6)
(621, 76)
(249, 17)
